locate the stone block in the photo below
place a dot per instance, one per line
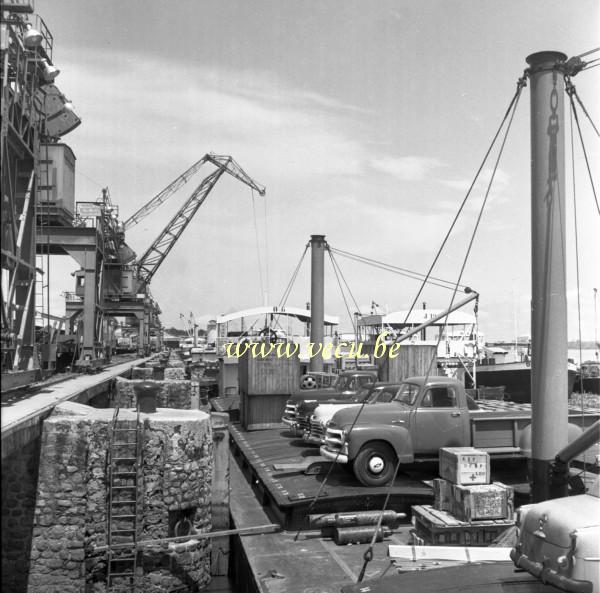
(175, 373)
(143, 373)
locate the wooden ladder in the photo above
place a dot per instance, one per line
(124, 492)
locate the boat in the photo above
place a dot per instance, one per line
(515, 377)
(588, 377)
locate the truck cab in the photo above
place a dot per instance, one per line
(347, 385)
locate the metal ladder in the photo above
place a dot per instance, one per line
(124, 490)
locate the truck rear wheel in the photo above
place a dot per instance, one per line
(375, 464)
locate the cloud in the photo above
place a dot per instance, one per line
(500, 184)
(406, 168)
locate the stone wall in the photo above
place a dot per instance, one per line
(19, 481)
(170, 394)
(71, 509)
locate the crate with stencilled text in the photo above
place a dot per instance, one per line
(440, 528)
(464, 465)
(474, 502)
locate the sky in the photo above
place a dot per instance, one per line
(366, 122)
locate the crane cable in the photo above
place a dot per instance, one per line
(260, 275)
(395, 269)
(570, 90)
(368, 555)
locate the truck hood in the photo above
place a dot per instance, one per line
(325, 412)
(377, 414)
(319, 395)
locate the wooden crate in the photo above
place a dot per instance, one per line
(483, 501)
(442, 494)
(474, 502)
(269, 375)
(413, 360)
(464, 465)
(440, 528)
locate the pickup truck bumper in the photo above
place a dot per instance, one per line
(333, 455)
(307, 437)
(289, 421)
(547, 575)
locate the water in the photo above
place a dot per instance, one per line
(586, 354)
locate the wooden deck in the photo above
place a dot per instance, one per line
(273, 461)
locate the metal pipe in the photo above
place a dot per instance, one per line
(317, 299)
(548, 283)
(439, 316)
(583, 442)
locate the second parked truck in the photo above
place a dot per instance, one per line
(425, 415)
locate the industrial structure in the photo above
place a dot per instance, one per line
(41, 219)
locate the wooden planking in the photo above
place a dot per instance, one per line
(269, 375)
(456, 553)
(413, 360)
(499, 577)
(262, 411)
(289, 494)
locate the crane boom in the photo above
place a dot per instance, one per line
(159, 198)
(219, 160)
(156, 253)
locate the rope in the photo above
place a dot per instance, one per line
(577, 260)
(368, 556)
(395, 269)
(346, 283)
(570, 89)
(288, 288)
(571, 86)
(521, 83)
(342, 291)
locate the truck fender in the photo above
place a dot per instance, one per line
(524, 443)
(397, 437)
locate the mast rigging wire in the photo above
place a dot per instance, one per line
(368, 555)
(342, 291)
(575, 224)
(521, 83)
(570, 89)
(346, 283)
(396, 270)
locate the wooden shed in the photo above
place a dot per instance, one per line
(413, 360)
(265, 386)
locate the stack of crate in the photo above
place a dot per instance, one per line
(467, 509)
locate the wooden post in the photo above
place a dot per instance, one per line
(220, 493)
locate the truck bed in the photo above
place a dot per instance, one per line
(496, 425)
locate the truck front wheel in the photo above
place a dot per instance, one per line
(375, 464)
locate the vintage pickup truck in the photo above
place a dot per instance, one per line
(425, 416)
(347, 385)
(382, 393)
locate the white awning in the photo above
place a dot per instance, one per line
(300, 314)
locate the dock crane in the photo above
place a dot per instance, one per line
(147, 265)
(130, 278)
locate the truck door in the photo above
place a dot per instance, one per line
(439, 421)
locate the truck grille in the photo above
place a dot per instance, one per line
(317, 430)
(302, 423)
(291, 411)
(334, 438)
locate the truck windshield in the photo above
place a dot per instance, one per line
(407, 394)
